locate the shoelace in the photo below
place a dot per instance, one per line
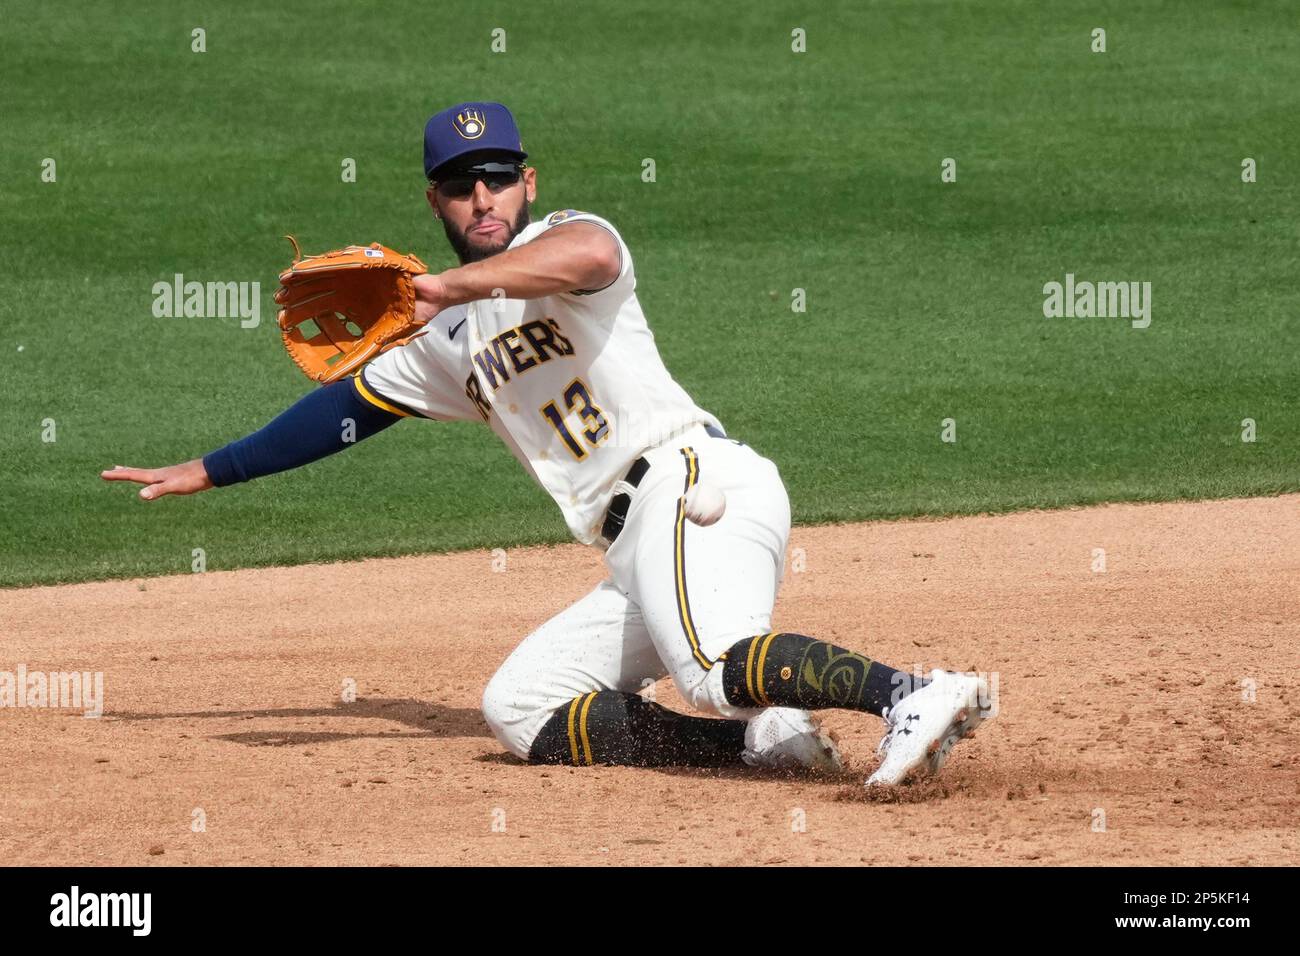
(891, 725)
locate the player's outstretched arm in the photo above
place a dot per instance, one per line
(320, 423)
(572, 257)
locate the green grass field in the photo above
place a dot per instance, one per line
(775, 170)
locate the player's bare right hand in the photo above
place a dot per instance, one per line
(183, 479)
(430, 297)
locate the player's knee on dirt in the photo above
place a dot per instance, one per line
(791, 670)
(510, 718)
(608, 727)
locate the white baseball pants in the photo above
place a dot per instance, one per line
(677, 597)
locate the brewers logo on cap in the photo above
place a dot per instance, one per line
(469, 124)
(470, 127)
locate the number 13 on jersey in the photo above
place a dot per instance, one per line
(578, 399)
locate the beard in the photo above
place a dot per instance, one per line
(468, 253)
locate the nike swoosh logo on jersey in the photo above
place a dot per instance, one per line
(451, 333)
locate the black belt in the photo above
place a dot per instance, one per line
(621, 502)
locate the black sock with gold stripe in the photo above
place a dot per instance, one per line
(612, 728)
(790, 670)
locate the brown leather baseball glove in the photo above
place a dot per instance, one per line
(342, 308)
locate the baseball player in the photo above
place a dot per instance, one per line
(539, 334)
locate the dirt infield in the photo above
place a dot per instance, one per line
(1125, 693)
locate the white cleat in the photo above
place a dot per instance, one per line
(924, 725)
(786, 738)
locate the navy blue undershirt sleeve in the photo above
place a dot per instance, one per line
(307, 431)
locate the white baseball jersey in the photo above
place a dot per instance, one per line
(573, 382)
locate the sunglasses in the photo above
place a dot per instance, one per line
(496, 176)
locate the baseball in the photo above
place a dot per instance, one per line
(705, 504)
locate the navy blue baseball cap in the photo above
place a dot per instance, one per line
(470, 128)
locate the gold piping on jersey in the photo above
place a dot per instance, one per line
(364, 391)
